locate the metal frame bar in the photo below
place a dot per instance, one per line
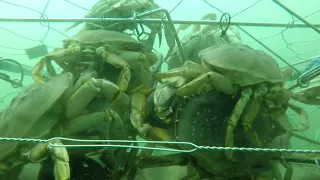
(202, 22)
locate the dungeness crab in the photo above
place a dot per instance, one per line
(115, 48)
(198, 40)
(233, 69)
(200, 119)
(56, 108)
(130, 9)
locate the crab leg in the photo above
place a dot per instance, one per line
(138, 101)
(61, 160)
(304, 121)
(138, 114)
(234, 118)
(188, 70)
(310, 95)
(58, 154)
(286, 73)
(89, 90)
(46, 61)
(205, 82)
(118, 62)
(249, 116)
(155, 28)
(39, 67)
(282, 141)
(171, 42)
(147, 59)
(139, 94)
(115, 127)
(92, 120)
(251, 112)
(204, 79)
(151, 39)
(196, 27)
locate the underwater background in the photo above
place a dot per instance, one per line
(292, 44)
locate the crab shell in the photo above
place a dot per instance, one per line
(116, 9)
(120, 41)
(20, 120)
(251, 67)
(88, 40)
(193, 43)
(201, 120)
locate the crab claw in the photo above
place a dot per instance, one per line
(310, 95)
(36, 71)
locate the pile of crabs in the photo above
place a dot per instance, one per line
(108, 90)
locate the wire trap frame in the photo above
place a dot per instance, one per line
(114, 144)
(168, 20)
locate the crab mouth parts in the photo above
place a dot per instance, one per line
(88, 51)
